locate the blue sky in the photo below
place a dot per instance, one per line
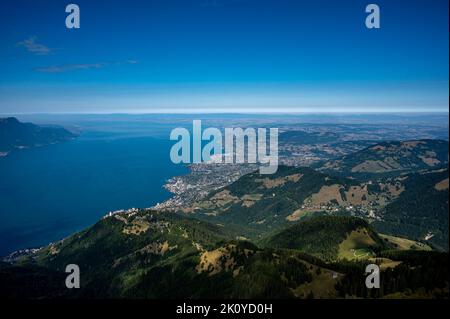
(223, 55)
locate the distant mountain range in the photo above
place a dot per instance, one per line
(299, 233)
(17, 135)
(391, 158)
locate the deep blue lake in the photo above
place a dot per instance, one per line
(50, 192)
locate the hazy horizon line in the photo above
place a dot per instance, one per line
(256, 112)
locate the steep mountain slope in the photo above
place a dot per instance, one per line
(128, 243)
(146, 254)
(16, 135)
(330, 238)
(30, 281)
(161, 255)
(391, 158)
(257, 204)
(421, 211)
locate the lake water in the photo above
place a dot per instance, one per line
(50, 192)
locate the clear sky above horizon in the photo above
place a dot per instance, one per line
(223, 55)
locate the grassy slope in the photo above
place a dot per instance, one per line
(327, 237)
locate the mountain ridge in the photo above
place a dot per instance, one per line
(148, 254)
(16, 135)
(391, 157)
